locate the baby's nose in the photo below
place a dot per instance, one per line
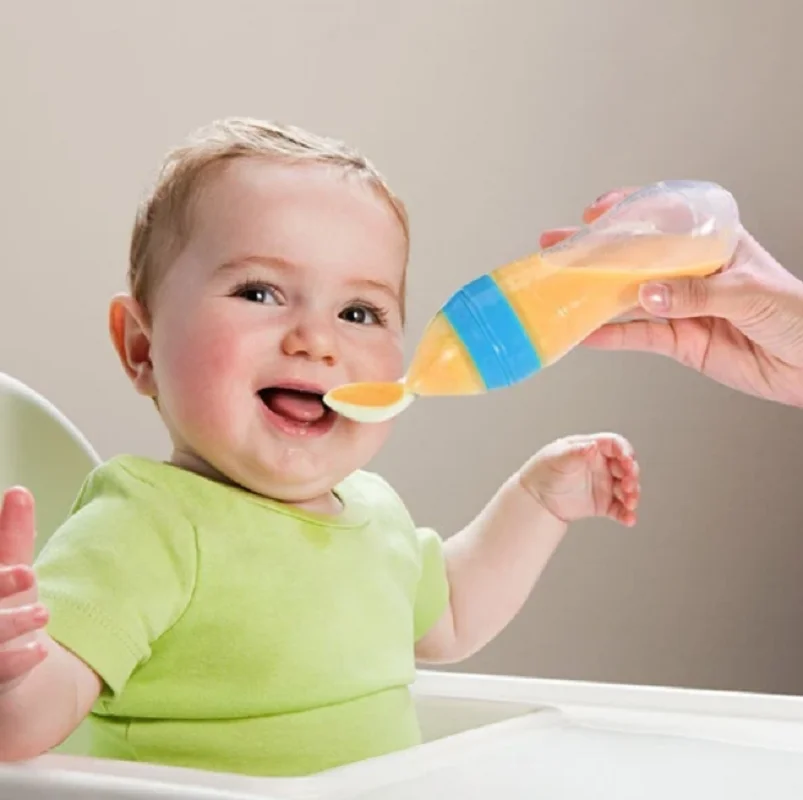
(313, 339)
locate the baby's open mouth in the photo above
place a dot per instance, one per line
(295, 405)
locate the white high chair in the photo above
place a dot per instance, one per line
(41, 449)
(484, 736)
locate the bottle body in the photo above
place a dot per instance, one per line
(505, 326)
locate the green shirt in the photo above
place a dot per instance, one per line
(235, 633)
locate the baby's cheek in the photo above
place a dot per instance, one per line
(384, 361)
(204, 377)
(366, 440)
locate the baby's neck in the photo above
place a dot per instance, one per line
(328, 504)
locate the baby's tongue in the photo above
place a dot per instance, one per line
(297, 406)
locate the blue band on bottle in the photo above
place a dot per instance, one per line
(491, 332)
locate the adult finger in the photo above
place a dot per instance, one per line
(553, 236)
(723, 295)
(605, 201)
(639, 336)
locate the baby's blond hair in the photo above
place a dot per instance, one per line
(164, 218)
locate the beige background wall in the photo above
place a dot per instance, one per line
(495, 119)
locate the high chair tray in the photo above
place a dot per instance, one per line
(503, 737)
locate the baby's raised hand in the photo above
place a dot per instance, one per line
(593, 475)
(20, 614)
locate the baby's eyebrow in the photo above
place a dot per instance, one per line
(266, 261)
(381, 286)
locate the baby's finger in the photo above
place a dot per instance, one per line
(15, 622)
(629, 483)
(624, 469)
(613, 446)
(624, 515)
(15, 579)
(622, 463)
(17, 527)
(628, 499)
(17, 662)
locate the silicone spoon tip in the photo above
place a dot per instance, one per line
(369, 402)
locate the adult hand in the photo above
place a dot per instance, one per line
(742, 326)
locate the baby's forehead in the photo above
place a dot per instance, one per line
(261, 184)
(298, 213)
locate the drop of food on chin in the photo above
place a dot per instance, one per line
(369, 402)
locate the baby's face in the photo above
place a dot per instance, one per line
(289, 285)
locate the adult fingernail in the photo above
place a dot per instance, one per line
(656, 296)
(604, 198)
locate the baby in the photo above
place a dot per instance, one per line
(257, 603)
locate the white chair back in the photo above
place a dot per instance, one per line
(42, 450)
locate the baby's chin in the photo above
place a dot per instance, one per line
(298, 473)
(295, 476)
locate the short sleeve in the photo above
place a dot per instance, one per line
(117, 574)
(432, 595)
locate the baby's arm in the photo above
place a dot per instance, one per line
(47, 705)
(45, 691)
(493, 563)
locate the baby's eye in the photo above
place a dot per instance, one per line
(258, 293)
(361, 315)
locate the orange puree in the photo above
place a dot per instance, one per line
(374, 395)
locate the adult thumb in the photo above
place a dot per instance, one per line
(716, 296)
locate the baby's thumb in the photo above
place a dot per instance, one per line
(694, 297)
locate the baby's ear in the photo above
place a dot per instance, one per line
(131, 337)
